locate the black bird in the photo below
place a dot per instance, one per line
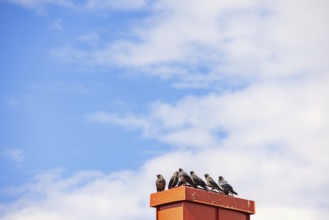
(227, 188)
(160, 183)
(211, 183)
(184, 177)
(197, 180)
(173, 180)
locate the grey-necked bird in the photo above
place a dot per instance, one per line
(184, 177)
(197, 180)
(173, 180)
(160, 183)
(211, 183)
(226, 187)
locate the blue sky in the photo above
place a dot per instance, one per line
(97, 93)
(45, 100)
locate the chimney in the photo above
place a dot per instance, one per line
(187, 203)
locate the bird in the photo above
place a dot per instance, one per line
(184, 177)
(181, 181)
(197, 180)
(226, 187)
(173, 180)
(211, 183)
(160, 183)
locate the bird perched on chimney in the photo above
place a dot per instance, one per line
(198, 181)
(184, 177)
(181, 180)
(211, 183)
(226, 187)
(173, 180)
(160, 183)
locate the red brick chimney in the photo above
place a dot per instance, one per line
(187, 203)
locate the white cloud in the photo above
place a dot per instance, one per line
(269, 179)
(115, 4)
(282, 212)
(85, 195)
(128, 120)
(13, 154)
(252, 114)
(222, 42)
(91, 39)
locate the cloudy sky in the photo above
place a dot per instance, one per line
(99, 96)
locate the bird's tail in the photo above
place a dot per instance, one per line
(235, 193)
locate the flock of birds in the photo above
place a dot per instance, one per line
(180, 177)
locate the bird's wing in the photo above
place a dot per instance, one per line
(187, 178)
(227, 186)
(213, 183)
(171, 181)
(195, 179)
(201, 181)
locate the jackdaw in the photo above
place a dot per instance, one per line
(226, 187)
(211, 183)
(173, 180)
(198, 181)
(160, 183)
(184, 177)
